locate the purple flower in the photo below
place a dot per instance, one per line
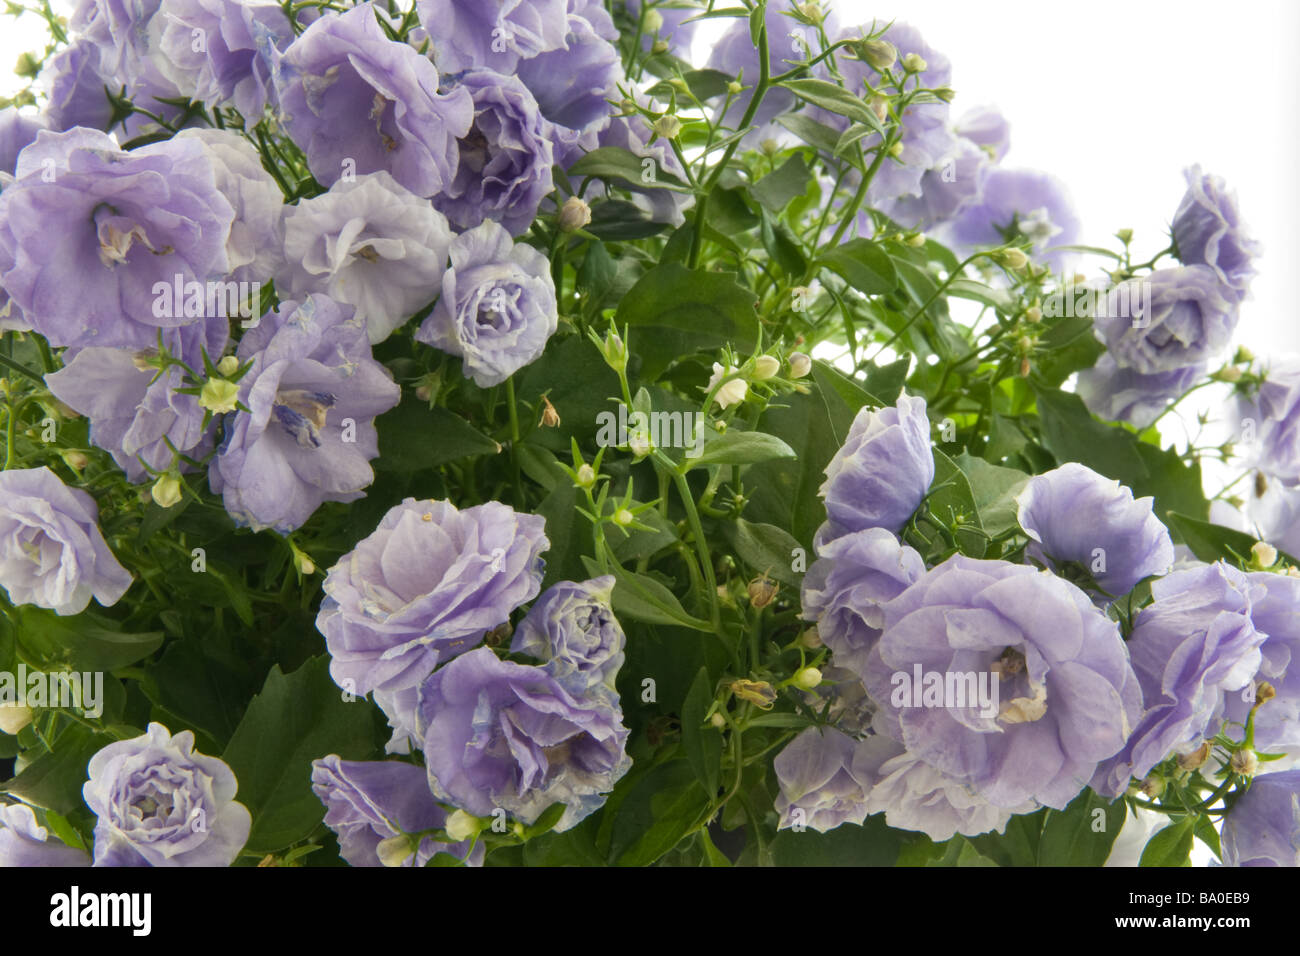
(161, 804)
(986, 128)
(1208, 230)
(497, 308)
(945, 190)
(1175, 318)
(504, 170)
(824, 776)
(370, 243)
(573, 631)
(24, 842)
(74, 88)
(1194, 642)
(1074, 514)
(574, 85)
(1274, 613)
(1016, 202)
(233, 63)
(17, 130)
(1263, 826)
(845, 587)
(881, 474)
(82, 250)
(313, 393)
(501, 735)
(1027, 643)
(134, 409)
(1121, 394)
(358, 102)
(426, 585)
(372, 804)
(470, 33)
(52, 553)
(1272, 437)
(633, 133)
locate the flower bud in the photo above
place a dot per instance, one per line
(304, 564)
(758, 692)
(800, 365)
(219, 395)
(879, 106)
(1244, 356)
(1229, 373)
(807, 678)
(915, 63)
(667, 126)
(733, 87)
(574, 214)
(896, 149)
(765, 367)
(1012, 258)
(623, 517)
(550, 417)
(1264, 692)
(586, 476)
(718, 721)
(394, 850)
(166, 491)
(1244, 762)
(762, 591)
(916, 240)
(659, 46)
(811, 639)
(14, 717)
(1033, 314)
(652, 21)
(462, 826)
(1262, 555)
(1125, 236)
(1153, 786)
(228, 365)
(1196, 759)
(880, 55)
(76, 460)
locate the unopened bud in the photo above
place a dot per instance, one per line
(758, 692)
(659, 46)
(1229, 373)
(766, 366)
(733, 87)
(1033, 314)
(219, 395)
(652, 21)
(808, 678)
(304, 564)
(623, 517)
(879, 106)
(574, 214)
(166, 491)
(667, 126)
(718, 721)
(811, 639)
(1244, 356)
(1125, 236)
(228, 365)
(462, 826)
(762, 591)
(800, 365)
(915, 63)
(1262, 555)
(881, 55)
(76, 460)
(896, 149)
(395, 850)
(1264, 692)
(916, 240)
(586, 476)
(14, 717)
(1196, 759)
(1244, 762)
(1011, 257)
(1153, 786)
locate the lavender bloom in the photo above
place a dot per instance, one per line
(358, 102)
(1263, 827)
(1273, 613)
(573, 86)
(470, 33)
(1193, 643)
(74, 88)
(824, 778)
(369, 803)
(235, 60)
(1272, 437)
(161, 804)
(17, 130)
(1066, 693)
(1074, 514)
(83, 250)
(1208, 230)
(573, 631)
(1187, 322)
(1016, 202)
(881, 473)
(945, 190)
(633, 133)
(134, 410)
(504, 170)
(313, 393)
(497, 308)
(1120, 394)
(501, 735)
(988, 129)
(845, 587)
(370, 243)
(426, 585)
(52, 553)
(24, 842)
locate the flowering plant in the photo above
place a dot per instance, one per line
(489, 438)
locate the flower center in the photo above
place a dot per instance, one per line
(302, 413)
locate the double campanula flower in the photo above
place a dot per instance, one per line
(881, 474)
(1074, 514)
(426, 585)
(844, 589)
(220, 52)
(1275, 612)
(1195, 642)
(17, 131)
(24, 842)
(573, 86)
(82, 250)
(1121, 394)
(986, 128)
(373, 804)
(824, 777)
(1268, 419)
(1035, 685)
(135, 410)
(504, 170)
(573, 630)
(469, 34)
(312, 394)
(1207, 230)
(1263, 826)
(1012, 203)
(52, 553)
(370, 243)
(160, 803)
(500, 735)
(357, 102)
(497, 309)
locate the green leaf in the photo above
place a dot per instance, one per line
(959, 851)
(782, 247)
(53, 780)
(662, 807)
(617, 220)
(641, 597)
(703, 84)
(1212, 542)
(1083, 833)
(775, 190)
(951, 497)
(998, 299)
(872, 844)
(766, 548)
(735, 447)
(885, 382)
(864, 265)
(819, 135)
(84, 642)
(702, 742)
(1172, 845)
(616, 165)
(674, 312)
(835, 99)
(296, 719)
(994, 490)
(414, 437)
